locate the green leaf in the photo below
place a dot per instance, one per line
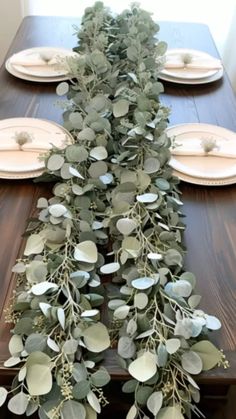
(18, 403)
(76, 120)
(12, 361)
(24, 326)
(126, 347)
(162, 355)
(143, 394)
(132, 246)
(81, 389)
(143, 367)
(98, 169)
(3, 395)
(151, 165)
(98, 153)
(73, 410)
(120, 108)
(194, 300)
(122, 312)
(90, 412)
(36, 271)
(173, 257)
(173, 412)
(46, 410)
(94, 402)
(132, 413)
(208, 353)
(34, 245)
(110, 268)
(191, 362)
(116, 303)
(132, 53)
(57, 210)
(42, 287)
(143, 283)
(35, 342)
(140, 300)
(15, 345)
(55, 162)
(182, 288)
(130, 386)
(70, 346)
(126, 226)
(39, 379)
(61, 317)
(38, 358)
(86, 252)
(100, 378)
(154, 402)
(172, 345)
(52, 345)
(79, 372)
(96, 338)
(62, 89)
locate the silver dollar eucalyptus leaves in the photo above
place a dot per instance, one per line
(114, 213)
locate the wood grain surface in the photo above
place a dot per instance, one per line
(210, 211)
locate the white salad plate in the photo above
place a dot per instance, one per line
(55, 72)
(24, 162)
(205, 169)
(188, 75)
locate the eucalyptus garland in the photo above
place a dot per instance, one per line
(115, 213)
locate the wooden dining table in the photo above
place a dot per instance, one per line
(210, 211)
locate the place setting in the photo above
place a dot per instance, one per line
(24, 141)
(189, 66)
(203, 154)
(41, 64)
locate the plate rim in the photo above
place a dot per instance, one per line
(26, 77)
(205, 182)
(191, 51)
(201, 126)
(217, 76)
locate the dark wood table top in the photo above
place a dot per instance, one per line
(210, 211)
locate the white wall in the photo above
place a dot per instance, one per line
(216, 14)
(10, 19)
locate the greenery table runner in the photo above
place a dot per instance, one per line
(115, 212)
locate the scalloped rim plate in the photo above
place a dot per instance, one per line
(205, 182)
(204, 170)
(23, 164)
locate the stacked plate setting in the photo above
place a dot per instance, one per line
(203, 154)
(188, 66)
(23, 141)
(40, 64)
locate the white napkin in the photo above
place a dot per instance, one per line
(195, 147)
(35, 59)
(197, 63)
(39, 142)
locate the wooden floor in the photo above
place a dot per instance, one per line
(214, 407)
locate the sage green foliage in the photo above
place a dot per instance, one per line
(115, 210)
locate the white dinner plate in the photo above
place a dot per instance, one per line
(188, 73)
(205, 182)
(204, 169)
(204, 80)
(19, 164)
(47, 73)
